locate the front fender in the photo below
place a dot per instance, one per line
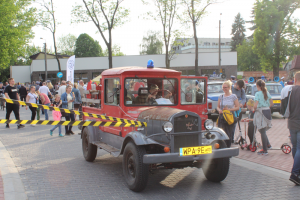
(219, 135)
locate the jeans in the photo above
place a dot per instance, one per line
(46, 112)
(33, 112)
(295, 138)
(68, 117)
(59, 128)
(264, 139)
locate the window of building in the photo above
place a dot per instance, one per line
(189, 44)
(112, 92)
(222, 44)
(228, 43)
(213, 43)
(80, 76)
(95, 74)
(212, 72)
(206, 43)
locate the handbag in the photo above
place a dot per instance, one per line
(227, 116)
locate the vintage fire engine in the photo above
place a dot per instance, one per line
(178, 133)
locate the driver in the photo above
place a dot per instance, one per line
(153, 94)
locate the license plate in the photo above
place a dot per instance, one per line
(276, 101)
(190, 151)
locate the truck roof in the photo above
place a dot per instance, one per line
(138, 70)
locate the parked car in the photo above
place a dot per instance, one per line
(273, 88)
(214, 90)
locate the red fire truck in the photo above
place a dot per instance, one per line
(178, 133)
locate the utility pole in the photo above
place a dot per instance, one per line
(46, 75)
(220, 42)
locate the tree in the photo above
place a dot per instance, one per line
(247, 60)
(106, 15)
(116, 51)
(166, 13)
(66, 44)
(193, 13)
(47, 20)
(16, 21)
(275, 32)
(238, 32)
(28, 50)
(151, 44)
(86, 46)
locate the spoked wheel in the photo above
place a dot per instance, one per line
(252, 147)
(89, 150)
(242, 143)
(286, 148)
(134, 170)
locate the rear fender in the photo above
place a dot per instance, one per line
(138, 138)
(93, 133)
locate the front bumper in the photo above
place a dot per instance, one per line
(174, 157)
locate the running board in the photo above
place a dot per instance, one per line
(112, 150)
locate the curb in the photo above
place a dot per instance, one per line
(12, 183)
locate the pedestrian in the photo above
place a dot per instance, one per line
(37, 85)
(23, 93)
(290, 82)
(12, 93)
(62, 88)
(227, 101)
(56, 115)
(2, 88)
(41, 83)
(56, 86)
(238, 90)
(292, 113)
(262, 118)
(45, 101)
(67, 99)
(77, 94)
(81, 89)
(18, 85)
(51, 89)
(282, 81)
(250, 106)
(32, 97)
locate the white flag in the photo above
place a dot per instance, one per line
(70, 69)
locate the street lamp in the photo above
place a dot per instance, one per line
(45, 59)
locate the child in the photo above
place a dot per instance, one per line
(250, 105)
(56, 115)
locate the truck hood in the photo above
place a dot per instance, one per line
(159, 113)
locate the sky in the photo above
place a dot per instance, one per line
(129, 36)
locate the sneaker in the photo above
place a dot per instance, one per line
(51, 132)
(20, 126)
(67, 134)
(269, 147)
(7, 126)
(61, 135)
(262, 152)
(33, 125)
(71, 132)
(295, 178)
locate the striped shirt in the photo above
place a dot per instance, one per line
(227, 101)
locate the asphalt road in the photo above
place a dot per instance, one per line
(54, 168)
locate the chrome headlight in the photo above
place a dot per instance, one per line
(168, 127)
(208, 124)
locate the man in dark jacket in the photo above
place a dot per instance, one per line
(23, 93)
(294, 127)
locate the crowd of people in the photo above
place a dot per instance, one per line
(64, 95)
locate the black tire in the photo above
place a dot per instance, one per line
(216, 170)
(134, 170)
(89, 150)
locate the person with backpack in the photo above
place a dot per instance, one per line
(292, 113)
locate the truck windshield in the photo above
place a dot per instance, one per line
(150, 91)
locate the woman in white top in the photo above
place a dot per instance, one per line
(67, 99)
(227, 101)
(32, 97)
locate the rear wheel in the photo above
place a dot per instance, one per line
(134, 170)
(286, 148)
(216, 170)
(89, 150)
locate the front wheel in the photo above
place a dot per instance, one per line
(216, 170)
(134, 170)
(89, 150)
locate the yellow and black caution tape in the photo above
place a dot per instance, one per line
(103, 117)
(68, 123)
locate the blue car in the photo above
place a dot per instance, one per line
(273, 88)
(214, 90)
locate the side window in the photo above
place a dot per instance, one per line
(112, 91)
(249, 91)
(193, 91)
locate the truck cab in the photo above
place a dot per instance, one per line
(177, 133)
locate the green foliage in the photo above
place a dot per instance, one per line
(4, 74)
(67, 44)
(28, 51)
(16, 21)
(247, 60)
(87, 47)
(238, 32)
(239, 77)
(275, 32)
(151, 44)
(116, 51)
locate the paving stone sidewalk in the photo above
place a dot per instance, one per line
(54, 168)
(1, 188)
(277, 135)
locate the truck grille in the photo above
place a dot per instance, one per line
(185, 141)
(185, 123)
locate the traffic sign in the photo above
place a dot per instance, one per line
(59, 74)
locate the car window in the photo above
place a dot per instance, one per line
(193, 91)
(274, 89)
(214, 88)
(249, 90)
(112, 91)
